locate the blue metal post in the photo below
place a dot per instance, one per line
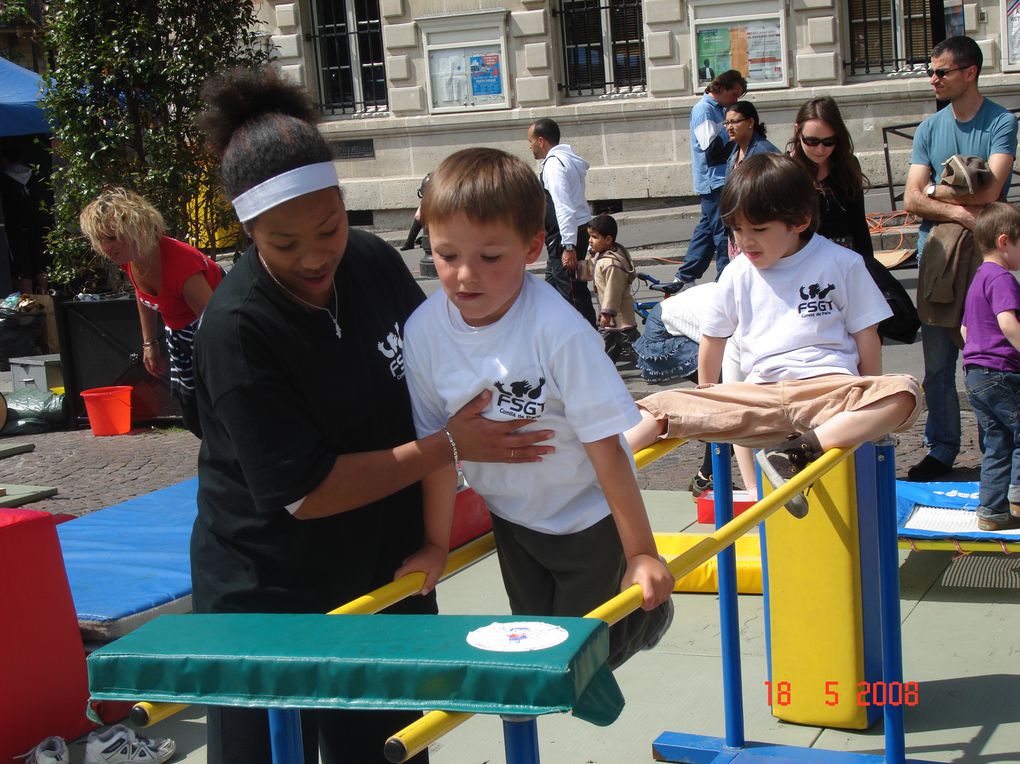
(726, 566)
(889, 571)
(285, 736)
(520, 739)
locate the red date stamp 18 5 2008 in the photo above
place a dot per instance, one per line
(867, 693)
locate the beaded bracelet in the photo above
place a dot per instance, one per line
(456, 458)
(150, 343)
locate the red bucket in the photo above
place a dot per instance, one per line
(109, 409)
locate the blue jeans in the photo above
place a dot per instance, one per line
(708, 239)
(942, 429)
(995, 398)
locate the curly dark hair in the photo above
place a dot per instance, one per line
(260, 125)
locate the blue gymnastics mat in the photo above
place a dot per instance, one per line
(128, 563)
(934, 511)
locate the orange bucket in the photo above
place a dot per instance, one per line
(109, 409)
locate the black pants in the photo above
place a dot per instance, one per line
(574, 290)
(571, 575)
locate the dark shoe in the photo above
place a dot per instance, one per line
(1014, 509)
(786, 459)
(699, 484)
(1001, 522)
(778, 467)
(928, 469)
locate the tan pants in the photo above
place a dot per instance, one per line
(759, 415)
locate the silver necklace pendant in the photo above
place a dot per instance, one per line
(334, 316)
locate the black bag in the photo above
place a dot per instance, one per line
(903, 324)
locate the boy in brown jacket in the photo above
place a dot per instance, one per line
(610, 267)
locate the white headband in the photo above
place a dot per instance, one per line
(284, 187)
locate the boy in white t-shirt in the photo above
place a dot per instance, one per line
(571, 530)
(805, 313)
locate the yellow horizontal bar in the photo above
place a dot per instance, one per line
(393, 592)
(433, 725)
(145, 714)
(417, 735)
(624, 603)
(657, 450)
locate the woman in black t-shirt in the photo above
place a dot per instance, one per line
(311, 479)
(822, 145)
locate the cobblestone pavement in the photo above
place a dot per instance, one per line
(91, 473)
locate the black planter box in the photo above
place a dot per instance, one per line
(101, 346)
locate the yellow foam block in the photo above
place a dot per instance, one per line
(704, 579)
(815, 611)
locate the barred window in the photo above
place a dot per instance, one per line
(349, 56)
(888, 35)
(603, 46)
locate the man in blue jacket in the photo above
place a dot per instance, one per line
(709, 144)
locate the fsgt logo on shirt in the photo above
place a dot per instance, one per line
(393, 349)
(521, 401)
(815, 303)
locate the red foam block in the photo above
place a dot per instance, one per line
(470, 518)
(742, 501)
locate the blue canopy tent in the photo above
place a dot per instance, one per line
(20, 113)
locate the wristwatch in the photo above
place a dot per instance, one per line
(568, 247)
(929, 190)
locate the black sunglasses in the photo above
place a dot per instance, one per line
(810, 140)
(940, 73)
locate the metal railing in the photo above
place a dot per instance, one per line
(888, 35)
(906, 132)
(603, 46)
(349, 56)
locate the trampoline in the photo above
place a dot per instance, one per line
(944, 516)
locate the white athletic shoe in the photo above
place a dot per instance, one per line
(120, 745)
(52, 750)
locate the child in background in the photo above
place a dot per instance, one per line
(991, 360)
(571, 530)
(610, 267)
(804, 312)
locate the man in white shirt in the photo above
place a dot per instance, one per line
(563, 174)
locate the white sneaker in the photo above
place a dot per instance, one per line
(52, 750)
(120, 745)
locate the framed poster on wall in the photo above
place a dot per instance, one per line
(752, 43)
(1011, 35)
(465, 55)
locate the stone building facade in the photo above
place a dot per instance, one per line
(404, 83)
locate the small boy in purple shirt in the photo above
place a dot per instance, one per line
(991, 360)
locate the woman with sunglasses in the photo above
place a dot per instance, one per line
(822, 145)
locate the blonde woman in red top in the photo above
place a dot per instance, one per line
(171, 278)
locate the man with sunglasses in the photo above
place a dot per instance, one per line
(970, 125)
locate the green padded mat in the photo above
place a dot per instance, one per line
(13, 449)
(19, 495)
(357, 661)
